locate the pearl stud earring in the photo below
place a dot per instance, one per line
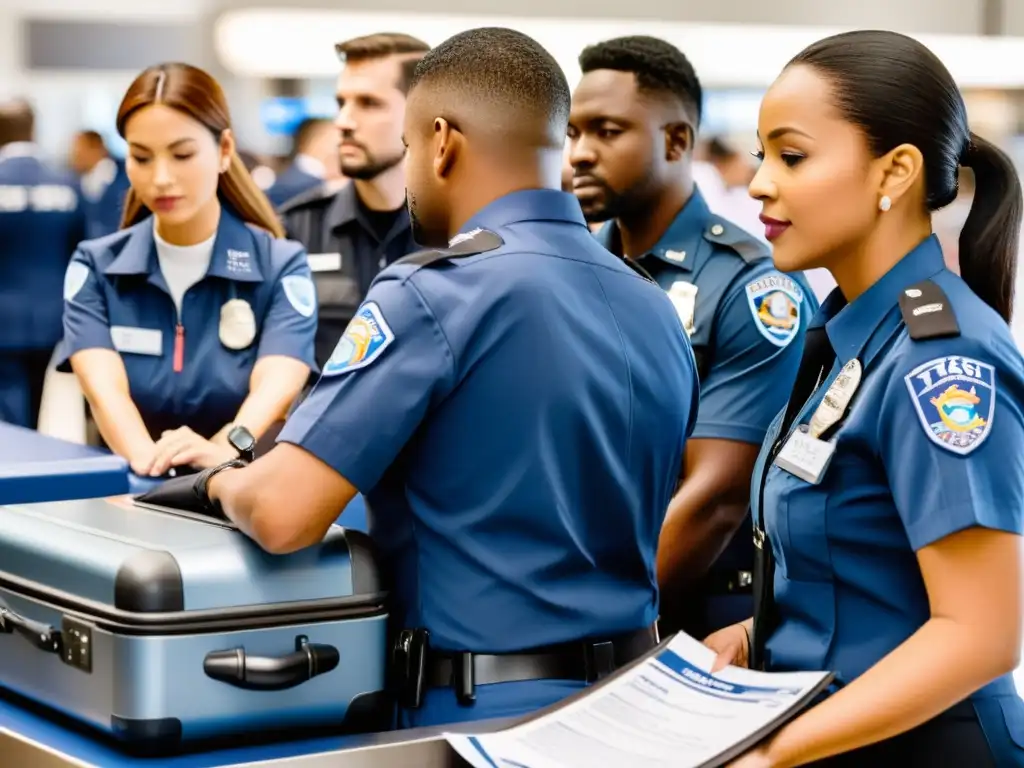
(885, 203)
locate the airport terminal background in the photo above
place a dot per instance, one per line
(72, 59)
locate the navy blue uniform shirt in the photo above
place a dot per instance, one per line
(103, 190)
(517, 421)
(933, 444)
(41, 223)
(257, 299)
(746, 319)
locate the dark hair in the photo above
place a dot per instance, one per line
(306, 132)
(500, 66)
(719, 149)
(195, 93)
(659, 67)
(17, 121)
(898, 92)
(382, 45)
(95, 138)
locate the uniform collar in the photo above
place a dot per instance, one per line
(232, 258)
(527, 205)
(851, 327)
(679, 244)
(344, 208)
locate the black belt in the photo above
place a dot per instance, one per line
(586, 661)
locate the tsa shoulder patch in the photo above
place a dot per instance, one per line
(300, 293)
(774, 301)
(364, 340)
(955, 400)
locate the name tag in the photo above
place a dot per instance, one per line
(324, 262)
(137, 341)
(806, 457)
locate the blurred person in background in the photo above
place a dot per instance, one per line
(633, 127)
(314, 161)
(103, 180)
(41, 222)
(722, 173)
(197, 319)
(353, 232)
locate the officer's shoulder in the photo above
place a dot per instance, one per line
(105, 248)
(731, 238)
(312, 199)
(942, 317)
(461, 248)
(275, 252)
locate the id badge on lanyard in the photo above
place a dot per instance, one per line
(806, 454)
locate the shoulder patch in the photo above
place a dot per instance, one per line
(955, 400)
(723, 232)
(463, 244)
(300, 293)
(74, 279)
(775, 301)
(364, 340)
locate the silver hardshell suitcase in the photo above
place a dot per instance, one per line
(163, 628)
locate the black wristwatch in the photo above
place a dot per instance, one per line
(241, 440)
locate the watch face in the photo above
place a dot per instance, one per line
(241, 438)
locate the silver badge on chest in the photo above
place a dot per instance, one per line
(684, 298)
(237, 324)
(837, 399)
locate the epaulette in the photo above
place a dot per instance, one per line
(723, 232)
(927, 313)
(317, 194)
(468, 244)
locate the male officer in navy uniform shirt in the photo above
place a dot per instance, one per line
(353, 232)
(634, 120)
(515, 405)
(41, 223)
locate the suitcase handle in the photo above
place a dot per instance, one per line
(42, 636)
(269, 673)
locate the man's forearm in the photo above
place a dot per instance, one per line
(697, 529)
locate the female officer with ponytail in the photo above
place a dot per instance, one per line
(197, 317)
(889, 495)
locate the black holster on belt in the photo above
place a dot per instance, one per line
(408, 668)
(817, 359)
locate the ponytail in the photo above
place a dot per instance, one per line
(990, 239)
(236, 190)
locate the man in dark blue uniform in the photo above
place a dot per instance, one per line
(103, 181)
(353, 232)
(514, 404)
(634, 121)
(41, 223)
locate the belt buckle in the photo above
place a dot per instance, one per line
(598, 660)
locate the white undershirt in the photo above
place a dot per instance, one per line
(182, 265)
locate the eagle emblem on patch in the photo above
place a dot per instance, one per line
(774, 302)
(955, 399)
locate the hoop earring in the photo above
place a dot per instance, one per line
(885, 203)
